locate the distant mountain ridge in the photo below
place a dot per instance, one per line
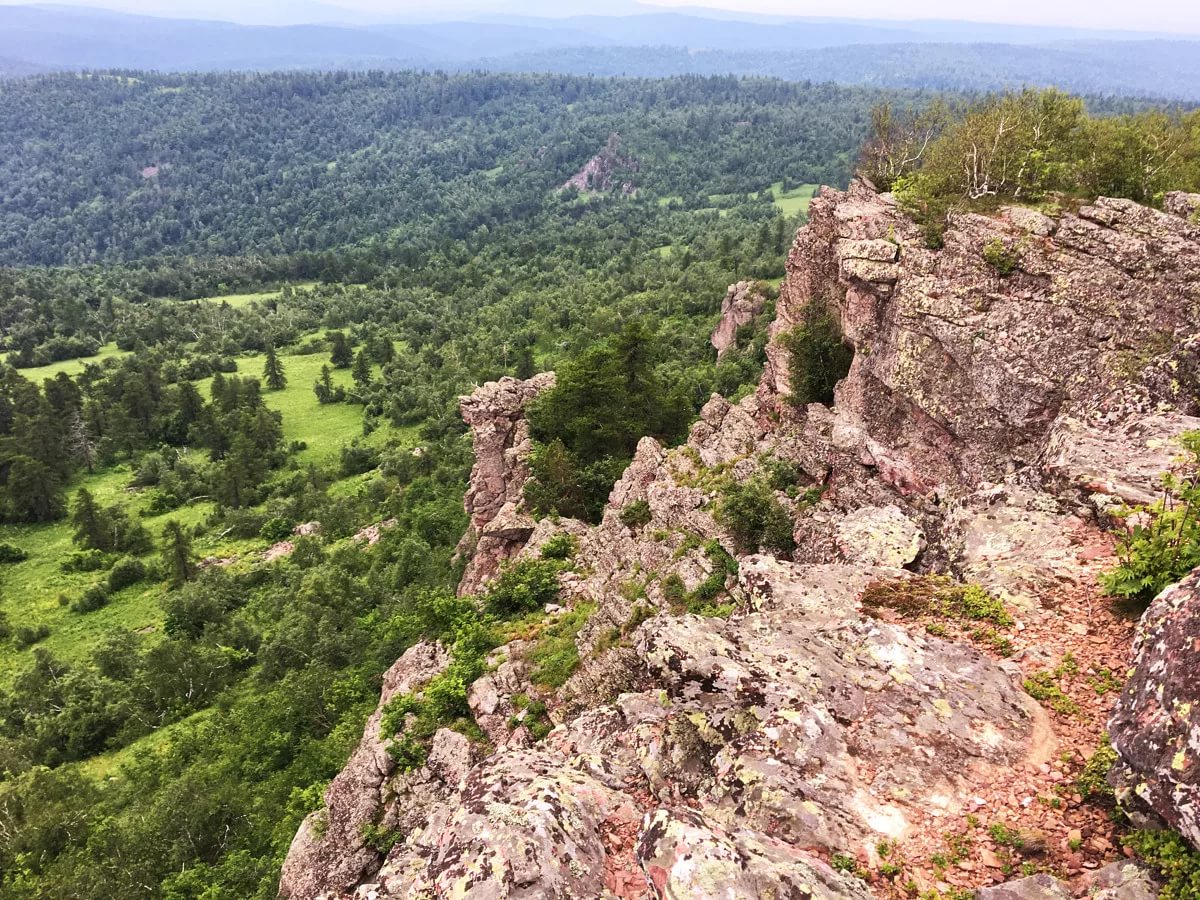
(941, 55)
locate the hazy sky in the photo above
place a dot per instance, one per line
(1146, 15)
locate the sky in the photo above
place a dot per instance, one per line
(1145, 15)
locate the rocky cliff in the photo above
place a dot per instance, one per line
(859, 719)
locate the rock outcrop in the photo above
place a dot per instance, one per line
(743, 303)
(606, 170)
(1155, 727)
(499, 526)
(738, 720)
(960, 369)
(330, 853)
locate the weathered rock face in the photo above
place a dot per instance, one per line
(606, 169)
(1156, 725)
(960, 370)
(743, 303)
(500, 435)
(329, 853)
(984, 421)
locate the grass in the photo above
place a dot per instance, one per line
(239, 301)
(794, 201)
(30, 590)
(72, 367)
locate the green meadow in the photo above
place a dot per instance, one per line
(37, 591)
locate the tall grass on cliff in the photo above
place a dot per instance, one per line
(1035, 146)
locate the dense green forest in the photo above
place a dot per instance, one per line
(110, 168)
(181, 670)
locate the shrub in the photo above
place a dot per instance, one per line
(94, 598)
(275, 529)
(28, 635)
(997, 255)
(1158, 554)
(817, 357)
(85, 561)
(755, 518)
(523, 586)
(1178, 863)
(11, 553)
(357, 459)
(560, 546)
(127, 571)
(636, 515)
(555, 655)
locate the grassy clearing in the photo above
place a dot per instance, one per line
(72, 367)
(238, 301)
(30, 590)
(794, 201)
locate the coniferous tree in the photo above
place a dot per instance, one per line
(339, 350)
(361, 373)
(93, 530)
(177, 553)
(324, 386)
(273, 371)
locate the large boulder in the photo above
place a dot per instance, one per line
(1155, 727)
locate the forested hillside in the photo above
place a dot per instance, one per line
(111, 168)
(186, 660)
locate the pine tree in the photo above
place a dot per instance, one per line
(177, 553)
(339, 350)
(324, 387)
(273, 371)
(93, 531)
(361, 373)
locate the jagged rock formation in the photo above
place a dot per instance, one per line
(1156, 725)
(959, 369)
(330, 853)
(743, 303)
(697, 755)
(499, 527)
(602, 172)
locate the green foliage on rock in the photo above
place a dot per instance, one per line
(1176, 862)
(1157, 553)
(817, 357)
(755, 518)
(523, 586)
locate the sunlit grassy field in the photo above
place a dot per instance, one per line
(30, 591)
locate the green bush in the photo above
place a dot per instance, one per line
(275, 529)
(11, 553)
(555, 656)
(560, 546)
(85, 561)
(28, 635)
(1170, 854)
(755, 518)
(997, 255)
(128, 570)
(636, 515)
(817, 357)
(1158, 554)
(523, 586)
(94, 598)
